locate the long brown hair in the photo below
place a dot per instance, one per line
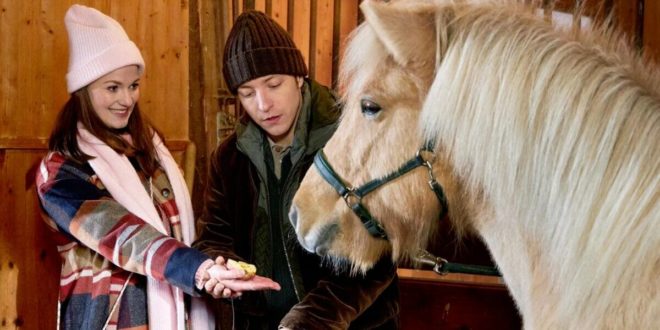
(79, 108)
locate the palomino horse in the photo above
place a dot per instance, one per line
(546, 142)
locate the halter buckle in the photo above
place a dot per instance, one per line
(440, 265)
(428, 156)
(351, 198)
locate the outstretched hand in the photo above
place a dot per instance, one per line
(255, 283)
(228, 282)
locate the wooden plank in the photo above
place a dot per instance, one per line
(238, 7)
(651, 37)
(466, 279)
(52, 66)
(279, 12)
(23, 143)
(29, 42)
(626, 18)
(29, 263)
(164, 88)
(300, 31)
(348, 21)
(322, 48)
(165, 92)
(211, 66)
(447, 305)
(19, 63)
(260, 5)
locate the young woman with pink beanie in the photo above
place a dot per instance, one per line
(117, 200)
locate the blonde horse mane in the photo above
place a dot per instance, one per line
(559, 132)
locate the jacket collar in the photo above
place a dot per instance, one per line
(312, 128)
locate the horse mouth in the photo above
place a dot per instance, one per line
(321, 240)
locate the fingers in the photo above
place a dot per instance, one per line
(221, 273)
(210, 284)
(256, 283)
(220, 261)
(227, 282)
(218, 290)
(234, 287)
(214, 288)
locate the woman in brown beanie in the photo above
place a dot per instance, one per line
(255, 173)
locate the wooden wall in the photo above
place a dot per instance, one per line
(182, 92)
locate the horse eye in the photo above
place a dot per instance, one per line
(369, 107)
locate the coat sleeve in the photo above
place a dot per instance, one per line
(216, 229)
(339, 299)
(86, 213)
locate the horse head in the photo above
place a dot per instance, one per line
(385, 76)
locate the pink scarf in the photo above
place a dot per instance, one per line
(165, 302)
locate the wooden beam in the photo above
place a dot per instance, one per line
(301, 27)
(322, 41)
(651, 29)
(467, 279)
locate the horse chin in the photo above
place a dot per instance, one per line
(340, 264)
(364, 253)
(320, 240)
(329, 241)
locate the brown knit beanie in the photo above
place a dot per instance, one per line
(257, 46)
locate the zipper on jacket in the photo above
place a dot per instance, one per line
(284, 215)
(284, 247)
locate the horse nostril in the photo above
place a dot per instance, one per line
(293, 216)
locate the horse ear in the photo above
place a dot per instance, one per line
(404, 28)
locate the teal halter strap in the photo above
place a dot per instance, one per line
(353, 196)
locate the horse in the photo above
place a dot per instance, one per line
(542, 140)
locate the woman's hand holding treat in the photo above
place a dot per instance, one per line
(229, 279)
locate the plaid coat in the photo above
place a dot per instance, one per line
(101, 244)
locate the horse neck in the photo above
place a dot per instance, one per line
(549, 130)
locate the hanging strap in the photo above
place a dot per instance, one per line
(442, 267)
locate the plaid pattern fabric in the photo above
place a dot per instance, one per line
(101, 243)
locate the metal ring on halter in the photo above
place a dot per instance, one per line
(431, 176)
(350, 192)
(440, 265)
(422, 151)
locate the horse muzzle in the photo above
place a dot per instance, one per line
(318, 239)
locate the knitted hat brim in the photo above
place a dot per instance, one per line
(115, 57)
(261, 62)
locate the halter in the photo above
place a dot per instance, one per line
(353, 196)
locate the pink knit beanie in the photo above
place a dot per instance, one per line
(98, 45)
